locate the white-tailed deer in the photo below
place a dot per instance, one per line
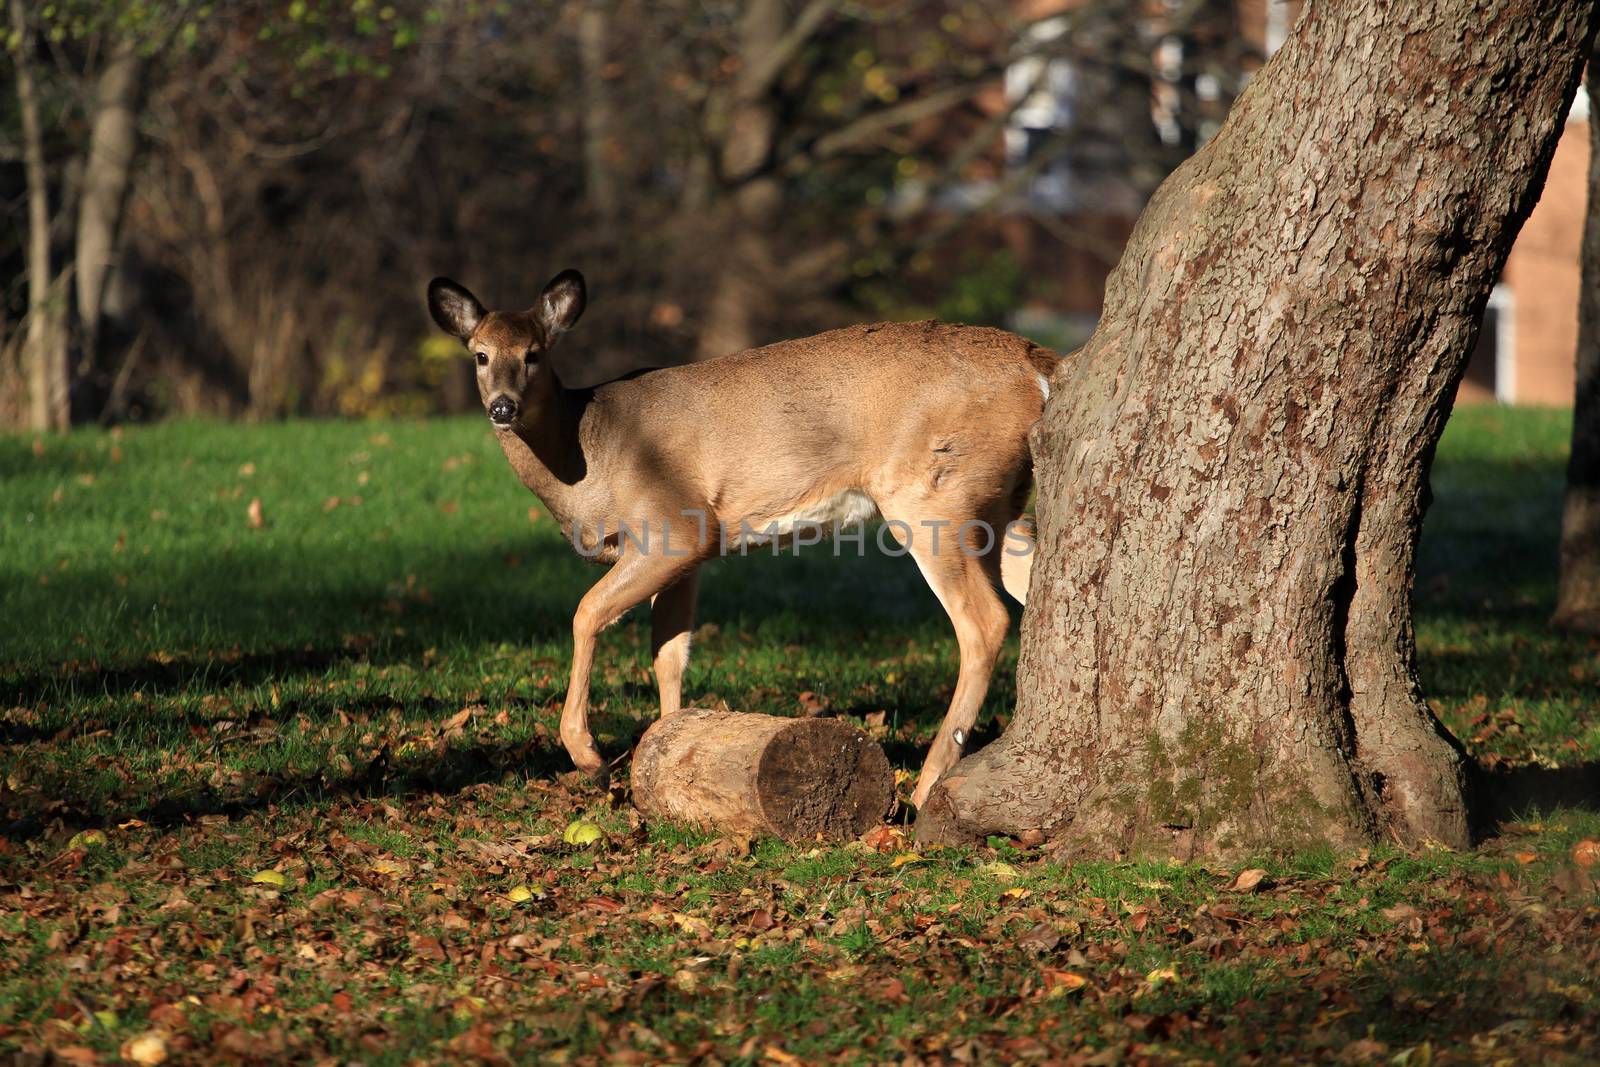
(923, 423)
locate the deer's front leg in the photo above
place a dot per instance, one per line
(632, 579)
(671, 624)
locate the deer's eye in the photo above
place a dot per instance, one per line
(483, 359)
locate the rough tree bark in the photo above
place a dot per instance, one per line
(1217, 649)
(44, 347)
(113, 139)
(1578, 591)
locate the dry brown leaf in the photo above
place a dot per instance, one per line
(253, 515)
(884, 838)
(1040, 939)
(1250, 880)
(1057, 982)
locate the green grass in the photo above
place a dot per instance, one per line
(220, 699)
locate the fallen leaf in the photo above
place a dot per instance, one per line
(270, 877)
(1040, 939)
(1249, 880)
(1000, 872)
(689, 924)
(1162, 974)
(884, 838)
(519, 894)
(1058, 983)
(253, 515)
(893, 990)
(905, 858)
(104, 1019)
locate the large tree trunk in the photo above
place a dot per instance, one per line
(1217, 650)
(1578, 592)
(113, 138)
(44, 347)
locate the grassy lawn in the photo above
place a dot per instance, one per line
(291, 790)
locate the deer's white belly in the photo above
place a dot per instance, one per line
(848, 507)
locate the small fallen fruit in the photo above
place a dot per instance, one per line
(519, 894)
(1586, 853)
(270, 877)
(87, 839)
(581, 832)
(148, 1049)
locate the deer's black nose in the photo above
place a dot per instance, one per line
(502, 409)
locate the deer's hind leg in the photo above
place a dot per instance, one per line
(1018, 541)
(671, 625)
(959, 558)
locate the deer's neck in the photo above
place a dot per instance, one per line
(546, 450)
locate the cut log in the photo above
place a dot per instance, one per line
(744, 773)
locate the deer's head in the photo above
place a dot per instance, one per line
(509, 347)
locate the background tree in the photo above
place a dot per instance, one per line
(725, 173)
(44, 349)
(1578, 591)
(1217, 649)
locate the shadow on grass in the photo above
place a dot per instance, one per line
(1504, 794)
(385, 775)
(156, 678)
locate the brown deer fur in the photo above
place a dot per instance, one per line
(924, 423)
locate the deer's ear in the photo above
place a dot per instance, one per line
(561, 304)
(455, 310)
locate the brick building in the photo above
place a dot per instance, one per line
(1526, 352)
